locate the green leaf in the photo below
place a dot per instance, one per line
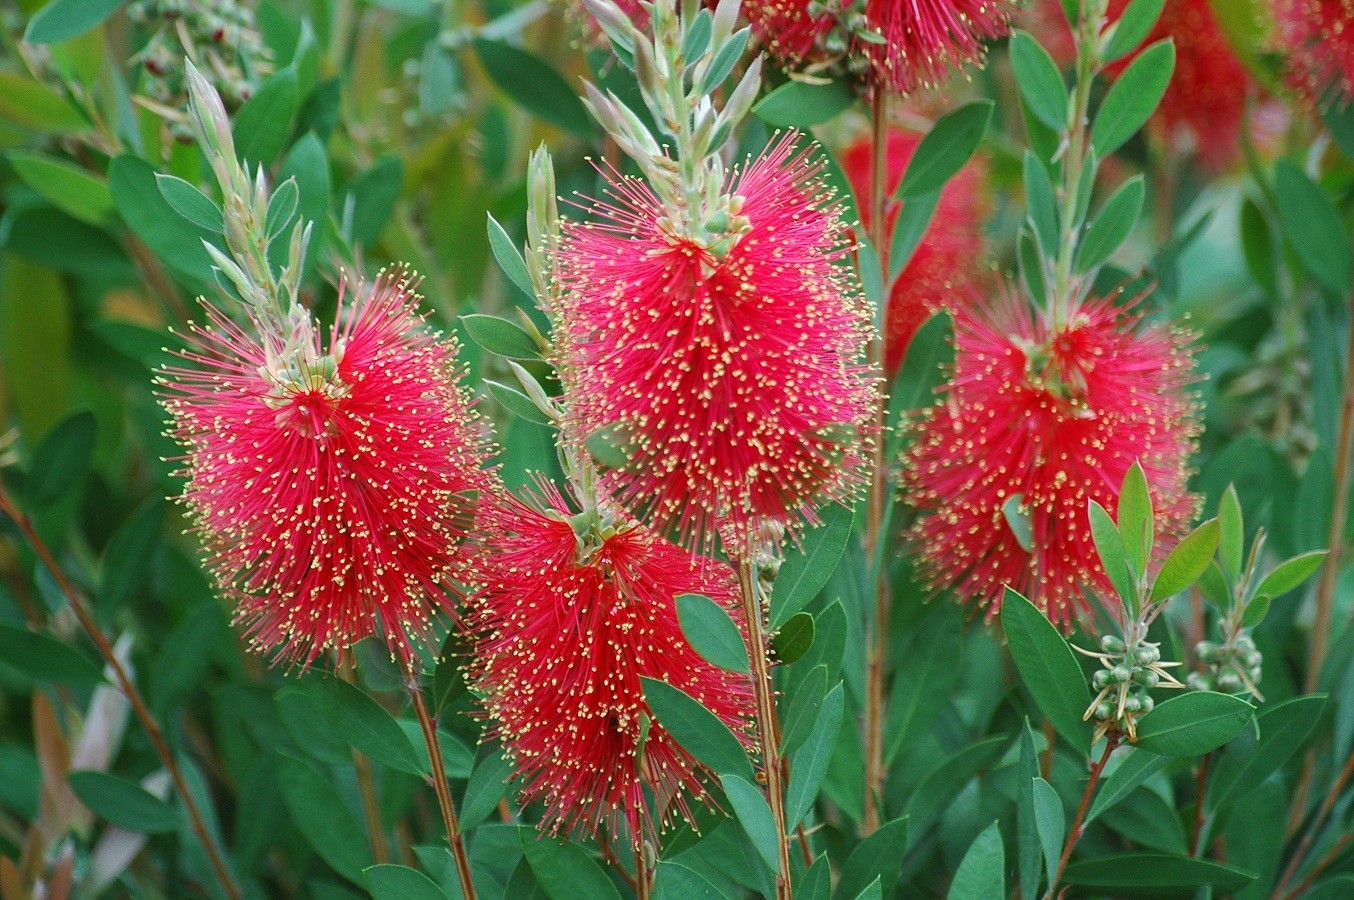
(323, 818)
(510, 260)
(1146, 874)
(122, 803)
(42, 657)
(487, 785)
(150, 217)
(878, 857)
(35, 106)
(1231, 535)
(36, 362)
(674, 881)
(392, 882)
(943, 783)
(1187, 561)
(801, 714)
(534, 85)
(1290, 573)
(1257, 247)
(264, 122)
(793, 639)
(873, 891)
(1018, 520)
(1133, 97)
(1135, 518)
(711, 632)
(1338, 888)
(924, 369)
(982, 872)
(697, 729)
(517, 403)
(809, 764)
(191, 203)
(1050, 822)
(1040, 82)
(564, 870)
(69, 187)
(798, 104)
(1132, 28)
(501, 336)
(1313, 226)
(908, 230)
(1043, 209)
(366, 725)
(1147, 820)
(1031, 265)
(126, 563)
(61, 461)
(754, 815)
(282, 208)
(808, 567)
(1193, 724)
(62, 20)
(448, 679)
(926, 677)
(375, 193)
(1112, 225)
(1029, 862)
(949, 144)
(1048, 668)
(1124, 778)
(1284, 729)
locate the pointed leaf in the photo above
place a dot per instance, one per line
(122, 803)
(807, 568)
(563, 869)
(1193, 724)
(947, 146)
(878, 857)
(697, 729)
(392, 882)
(1290, 573)
(1112, 225)
(754, 814)
(510, 260)
(1109, 543)
(1133, 97)
(1137, 874)
(1135, 518)
(711, 633)
(1187, 561)
(794, 638)
(982, 872)
(809, 764)
(1040, 82)
(1051, 823)
(1048, 668)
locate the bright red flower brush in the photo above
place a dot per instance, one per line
(564, 627)
(332, 487)
(897, 46)
(731, 375)
(945, 270)
(1056, 417)
(1319, 37)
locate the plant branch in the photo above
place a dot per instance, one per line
(439, 779)
(1200, 788)
(1327, 804)
(366, 788)
(129, 690)
(1074, 833)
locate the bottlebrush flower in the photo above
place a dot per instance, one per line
(1056, 416)
(729, 374)
(332, 488)
(564, 627)
(1319, 36)
(897, 46)
(944, 271)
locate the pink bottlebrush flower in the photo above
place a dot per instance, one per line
(731, 375)
(896, 46)
(564, 627)
(945, 270)
(1319, 37)
(1056, 416)
(332, 488)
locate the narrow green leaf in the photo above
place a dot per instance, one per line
(923, 370)
(801, 714)
(1193, 724)
(366, 725)
(817, 881)
(711, 632)
(794, 638)
(1043, 208)
(873, 891)
(1050, 822)
(925, 680)
(807, 568)
(487, 785)
(126, 563)
(68, 187)
(1125, 778)
(674, 881)
(392, 882)
(282, 207)
(1284, 729)
(264, 122)
(1048, 668)
(949, 144)
(323, 818)
(1040, 82)
(1187, 561)
(61, 461)
(878, 857)
(563, 869)
(1314, 228)
(501, 336)
(1031, 265)
(982, 872)
(943, 783)
(510, 260)
(1231, 535)
(755, 816)
(1018, 520)
(1135, 518)
(192, 204)
(42, 657)
(517, 403)
(1290, 573)
(697, 729)
(1133, 97)
(1132, 28)
(1112, 225)
(375, 194)
(1029, 861)
(1126, 874)
(62, 20)
(798, 104)
(534, 85)
(809, 763)
(908, 230)
(150, 217)
(122, 803)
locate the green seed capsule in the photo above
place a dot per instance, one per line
(1111, 643)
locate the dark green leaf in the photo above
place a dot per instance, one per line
(924, 368)
(1148, 821)
(1290, 573)
(755, 816)
(501, 336)
(1257, 246)
(448, 679)
(323, 818)
(674, 881)
(1340, 887)
(1145, 874)
(982, 872)
(517, 403)
(943, 783)
(1133, 97)
(1050, 822)
(945, 149)
(510, 260)
(1125, 777)
(1231, 535)
(1048, 668)
(1132, 28)
(878, 857)
(802, 713)
(191, 203)
(564, 870)
(123, 803)
(711, 633)
(44, 658)
(1040, 82)
(808, 567)
(375, 193)
(150, 217)
(61, 461)
(366, 725)
(68, 187)
(1193, 724)
(534, 85)
(1029, 862)
(1112, 225)
(1187, 561)
(809, 763)
(1031, 265)
(794, 638)
(392, 882)
(926, 677)
(1135, 518)
(264, 122)
(126, 563)
(1018, 520)
(798, 104)
(1043, 208)
(487, 785)
(817, 881)
(1284, 729)
(697, 729)
(1313, 226)
(62, 20)
(908, 230)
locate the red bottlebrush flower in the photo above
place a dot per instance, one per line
(902, 46)
(731, 376)
(944, 271)
(564, 628)
(578, 12)
(1319, 36)
(330, 487)
(1056, 416)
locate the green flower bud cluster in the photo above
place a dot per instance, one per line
(1129, 671)
(1233, 667)
(850, 26)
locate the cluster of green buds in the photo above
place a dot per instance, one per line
(1129, 670)
(1233, 666)
(678, 70)
(219, 34)
(850, 26)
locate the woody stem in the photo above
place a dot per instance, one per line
(439, 779)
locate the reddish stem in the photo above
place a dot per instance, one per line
(1074, 834)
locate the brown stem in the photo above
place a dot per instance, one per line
(766, 712)
(129, 690)
(876, 662)
(1200, 786)
(439, 779)
(1301, 888)
(1074, 834)
(643, 877)
(1318, 820)
(366, 788)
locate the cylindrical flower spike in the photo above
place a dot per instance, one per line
(332, 487)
